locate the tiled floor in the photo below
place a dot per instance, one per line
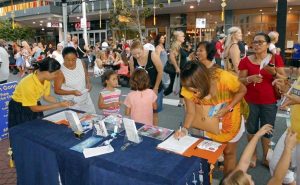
(7, 175)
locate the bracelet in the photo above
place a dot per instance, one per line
(230, 109)
(247, 80)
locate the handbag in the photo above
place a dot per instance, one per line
(169, 68)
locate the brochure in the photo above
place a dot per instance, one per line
(155, 132)
(131, 131)
(91, 141)
(209, 145)
(215, 109)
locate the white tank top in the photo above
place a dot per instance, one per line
(74, 79)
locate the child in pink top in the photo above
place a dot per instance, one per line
(140, 102)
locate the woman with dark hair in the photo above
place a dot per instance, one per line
(82, 53)
(25, 105)
(73, 82)
(205, 89)
(162, 53)
(257, 72)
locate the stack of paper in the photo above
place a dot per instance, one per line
(178, 145)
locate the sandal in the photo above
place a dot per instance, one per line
(221, 165)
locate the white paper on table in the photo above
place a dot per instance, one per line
(56, 117)
(74, 121)
(101, 129)
(177, 146)
(131, 131)
(91, 152)
(209, 145)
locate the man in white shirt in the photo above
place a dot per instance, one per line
(4, 63)
(148, 44)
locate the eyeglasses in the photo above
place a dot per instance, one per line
(259, 42)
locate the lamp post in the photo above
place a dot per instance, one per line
(83, 22)
(65, 21)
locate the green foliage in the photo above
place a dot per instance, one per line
(134, 14)
(19, 33)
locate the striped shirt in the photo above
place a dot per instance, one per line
(110, 97)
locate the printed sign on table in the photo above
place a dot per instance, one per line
(6, 91)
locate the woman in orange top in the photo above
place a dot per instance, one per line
(204, 87)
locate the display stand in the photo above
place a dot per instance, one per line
(131, 137)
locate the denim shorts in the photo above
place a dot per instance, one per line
(159, 101)
(261, 114)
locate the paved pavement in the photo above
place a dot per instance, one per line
(170, 117)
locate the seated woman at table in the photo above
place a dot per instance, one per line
(73, 82)
(114, 59)
(141, 101)
(204, 89)
(25, 105)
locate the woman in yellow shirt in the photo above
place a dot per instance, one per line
(205, 88)
(25, 105)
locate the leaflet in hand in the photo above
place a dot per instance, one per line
(265, 61)
(209, 145)
(215, 109)
(177, 145)
(155, 132)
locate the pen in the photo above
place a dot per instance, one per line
(179, 132)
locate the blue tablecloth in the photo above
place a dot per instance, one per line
(42, 151)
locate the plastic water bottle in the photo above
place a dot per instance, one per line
(288, 117)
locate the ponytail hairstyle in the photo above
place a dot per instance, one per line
(229, 41)
(47, 64)
(136, 45)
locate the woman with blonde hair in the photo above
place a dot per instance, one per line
(177, 58)
(232, 53)
(149, 61)
(274, 35)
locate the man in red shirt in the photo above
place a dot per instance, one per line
(220, 48)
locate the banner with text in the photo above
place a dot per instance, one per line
(6, 91)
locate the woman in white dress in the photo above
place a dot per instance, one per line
(73, 82)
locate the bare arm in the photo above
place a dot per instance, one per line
(50, 99)
(234, 53)
(87, 78)
(127, 111)
(285, 159)
(158, 50)
(158, 65)
(131, 67)
(58, 81)
(102, 105)
(190, 112)
(250, 148)
(41, 108)
(173, 61)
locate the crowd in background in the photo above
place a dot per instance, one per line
(248, 79)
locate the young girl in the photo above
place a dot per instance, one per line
(109, 98)
(141, 102)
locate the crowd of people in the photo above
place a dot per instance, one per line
(221, 73)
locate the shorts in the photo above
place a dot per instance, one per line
(159, 101)
(295, 63)
(260, 114)
(240, 133)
